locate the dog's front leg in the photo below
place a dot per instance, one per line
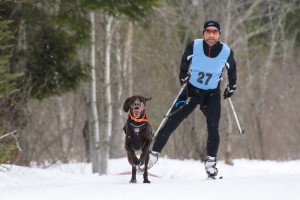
(145, 175)
(133, 175)
(145, 159)
(132, 158)
(145, 151)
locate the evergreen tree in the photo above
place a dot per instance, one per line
(8, 148)
(54, 36)
(54, 31)
(7, 79)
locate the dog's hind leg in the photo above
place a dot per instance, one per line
(133, 175)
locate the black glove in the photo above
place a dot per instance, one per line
(184, 78)
(229, 91)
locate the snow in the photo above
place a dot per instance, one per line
(179, 180)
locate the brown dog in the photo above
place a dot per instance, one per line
(138, 134)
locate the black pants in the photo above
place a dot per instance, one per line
(210, 105)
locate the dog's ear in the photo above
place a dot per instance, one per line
(144, 99)
(126, 104)
(148, 99)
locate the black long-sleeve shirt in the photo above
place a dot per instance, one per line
(210, 52)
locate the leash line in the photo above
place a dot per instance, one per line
(186, 102)
(168, 113)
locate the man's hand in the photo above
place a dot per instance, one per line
(184, 78)
(229, 91)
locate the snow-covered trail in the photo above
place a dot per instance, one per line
(184, 180)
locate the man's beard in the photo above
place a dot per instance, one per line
(210, 42)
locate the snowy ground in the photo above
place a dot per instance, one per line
(246, 180)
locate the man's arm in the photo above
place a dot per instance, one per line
(231, 72)
(231, 69)
(186, 61)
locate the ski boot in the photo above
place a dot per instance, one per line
(210, 167)
(153, 157)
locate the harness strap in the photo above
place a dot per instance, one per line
(137, 126)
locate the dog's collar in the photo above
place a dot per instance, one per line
(143, 119)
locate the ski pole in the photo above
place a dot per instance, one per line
(235, 116)
(166, 116)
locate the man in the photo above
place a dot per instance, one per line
(201, 69)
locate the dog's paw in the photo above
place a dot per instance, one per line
(132, 181)
(136, 161)
(142, 161)
(146, 181)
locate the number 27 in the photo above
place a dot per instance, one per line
(202, 75)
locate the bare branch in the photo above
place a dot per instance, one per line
(13, 135)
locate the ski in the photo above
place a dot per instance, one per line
(214, 177)
(129, 173)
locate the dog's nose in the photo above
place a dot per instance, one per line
(136, 104)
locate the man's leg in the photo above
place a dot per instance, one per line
(170, 125)
(212, 111)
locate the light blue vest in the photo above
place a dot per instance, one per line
(206, 72)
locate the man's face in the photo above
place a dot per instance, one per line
(211, 35)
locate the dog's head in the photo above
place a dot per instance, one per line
(136, 104)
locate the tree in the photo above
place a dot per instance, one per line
(9, 146)
(49, 66)
(94, 111)
(8, 80)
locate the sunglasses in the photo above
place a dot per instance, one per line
(209, 31)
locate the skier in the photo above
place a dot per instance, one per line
(201, 69)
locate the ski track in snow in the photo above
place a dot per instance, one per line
(179, 180)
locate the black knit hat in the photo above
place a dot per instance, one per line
(212, 23)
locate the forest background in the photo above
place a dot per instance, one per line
(67, 66)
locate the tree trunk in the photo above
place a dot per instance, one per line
(226, 34)
(63, 129)
(127, 65)
(117, 135)
(105, 140)
(94, 110)
(18, 65)
(123, 55)
(128, 56)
